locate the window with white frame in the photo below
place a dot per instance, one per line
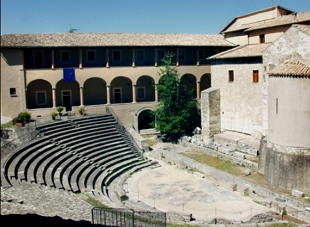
(117, 55)
(140, 93)
(140, 55)
(64, 56)
(91, 55)
(41, 97)
(181, 55)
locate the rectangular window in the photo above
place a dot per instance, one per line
(231, 76)
(13, 92)
(91, 55)
(140, 93)
(161, 55)
(117, 55)
(262, 38)
(140, 55)
(255, 76)
(38, 59)
(201, 54)
(181, 55)
(41, 97)
(64, 56)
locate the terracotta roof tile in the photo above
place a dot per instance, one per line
(291, 69)
(252, 50)
(110, 39)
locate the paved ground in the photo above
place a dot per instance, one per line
(169, 188)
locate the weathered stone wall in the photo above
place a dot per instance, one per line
(287, 168)
(241, 100)
(211, 112)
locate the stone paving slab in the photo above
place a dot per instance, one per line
(171, 189)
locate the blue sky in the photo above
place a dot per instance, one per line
(134, 16)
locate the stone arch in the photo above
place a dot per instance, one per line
(39, 94)
(145, 89)
(67, 94)
(205, 81)
(95, 91)
(189, 82)
(144, 118)
(121, 90)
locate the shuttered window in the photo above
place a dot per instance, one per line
(255, 76)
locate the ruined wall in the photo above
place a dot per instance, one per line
(210, 112)
(287, 168)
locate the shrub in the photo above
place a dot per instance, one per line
(25, 116)
(54, 114)
(81, 109)
(59, 109)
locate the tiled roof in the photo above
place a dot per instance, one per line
(252, 50)
(110, 39)
(294, 18)
(291, 69)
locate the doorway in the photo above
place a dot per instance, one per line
(66, 100)
(117, 94)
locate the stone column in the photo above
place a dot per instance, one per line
(133, 57)
(177, 57)
(198, 61)
(134, 98)
(156, 57)
(81, 59)
(198, 89)
(108, 95)
(107, 61)
(54, 97)
(81, 95)
(53, 59)
(156, 93)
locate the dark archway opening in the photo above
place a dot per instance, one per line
(144, 119)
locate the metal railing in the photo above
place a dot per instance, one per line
(127, 218)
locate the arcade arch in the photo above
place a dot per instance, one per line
(145, 89)
(39, 94)
(95, 91)
(68, 94)
(121, 90)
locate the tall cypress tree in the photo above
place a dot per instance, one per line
(176, 113)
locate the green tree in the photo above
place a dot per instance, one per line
(176, 113)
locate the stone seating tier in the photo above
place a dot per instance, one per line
(87, 153)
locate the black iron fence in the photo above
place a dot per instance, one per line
(128, 218)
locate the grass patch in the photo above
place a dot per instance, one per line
(7, 125)
(215, 162)
(152, 142)
(93, 201)
(280, 225)
(226, 166)
(185, 225)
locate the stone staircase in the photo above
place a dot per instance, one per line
(77, 155)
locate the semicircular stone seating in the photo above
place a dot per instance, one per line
(85, 153)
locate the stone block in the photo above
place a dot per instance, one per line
(297, 193)
(226, 150)
(238, 155)
(247, 172)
